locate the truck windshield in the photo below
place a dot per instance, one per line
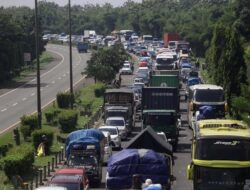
(117, 113)
(208, 95)
(164, 61)
(223, 149)
(222, 178)
(112, 131)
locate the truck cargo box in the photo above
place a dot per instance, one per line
(166, 72)
(166, 98)
(164, 81)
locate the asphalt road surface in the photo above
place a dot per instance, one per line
(182, 157)
(23, 100)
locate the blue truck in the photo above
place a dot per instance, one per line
(82, 47)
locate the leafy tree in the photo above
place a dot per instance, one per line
(226, 63)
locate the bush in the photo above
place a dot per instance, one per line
(51, 115)
(68, 120)
(99, 90)
(38, 137)
(26, 131)
(18, 161)
(64, 99)
(30, 120)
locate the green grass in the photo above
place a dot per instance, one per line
(87, 93)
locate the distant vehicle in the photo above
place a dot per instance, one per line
(138, 80)
(120, 123)
(170, 37)
(164, 61)
(147, 38)
(70, 178)
(114, 133)
(182, 45)
(139, 84)
(126, 69)
(82, 47)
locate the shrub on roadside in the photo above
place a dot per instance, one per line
(43, 135)
(18, 161)
(30, 120)
(51, 115)
(64, 99)
(26, 131)
(99, 90)
(68, 120)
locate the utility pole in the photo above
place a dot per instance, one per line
(39, 112)
(70, 56)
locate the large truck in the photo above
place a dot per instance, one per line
(167, 37)
(205, 95)
(86, 148)
(220, 155)
(145, 163)
(82, 47)
(160, 110)
(121, 100)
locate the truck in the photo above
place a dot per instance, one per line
(220, 155)
(160, 110)
(165, 81)
(82, 47)
(145, 163)
(167, 37)
(123, 100)
(86, 148)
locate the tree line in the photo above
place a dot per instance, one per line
(216, 29)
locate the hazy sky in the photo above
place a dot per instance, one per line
(30, 3)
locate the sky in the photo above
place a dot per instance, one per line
(30, 3)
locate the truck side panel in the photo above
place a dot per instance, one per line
(165, 81)
(160, 98)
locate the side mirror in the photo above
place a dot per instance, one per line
(190, 172)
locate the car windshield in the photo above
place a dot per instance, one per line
(126, 66)
(110, 130)
(115, 122)
(209, 95)
(223, 149)
(208, 178)
(68, 186)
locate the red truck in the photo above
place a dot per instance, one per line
(170, 37)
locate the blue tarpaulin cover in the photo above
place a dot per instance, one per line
(124, 164)
(206, 112)
(83, 137)
(193, 81)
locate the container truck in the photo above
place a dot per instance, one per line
(167, 37)
(160, 110)
(164, 81)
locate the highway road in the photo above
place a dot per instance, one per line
(23, 100)
(182, 157)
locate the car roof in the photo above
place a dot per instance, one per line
(66, 179)
(206, 86)
(51, 188)
(108, 127)
(70, 171)
(115, 118)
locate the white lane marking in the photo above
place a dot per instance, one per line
(47, 86)
(40, 76)
(14, 104)
(41, 89)
(24, 99)
(3, 109)
(59, 78)
(67, 72)
(53, 82)
(32, 94)
(13, 125)
(64, 75)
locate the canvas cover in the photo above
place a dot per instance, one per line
(148, 139)
(124, 164)
(80, 134)
(81, 144)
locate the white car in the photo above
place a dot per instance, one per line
(126, 69)
(114, 134)
(108, 147)
(120, 123)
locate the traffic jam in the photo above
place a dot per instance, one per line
(140, 131)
